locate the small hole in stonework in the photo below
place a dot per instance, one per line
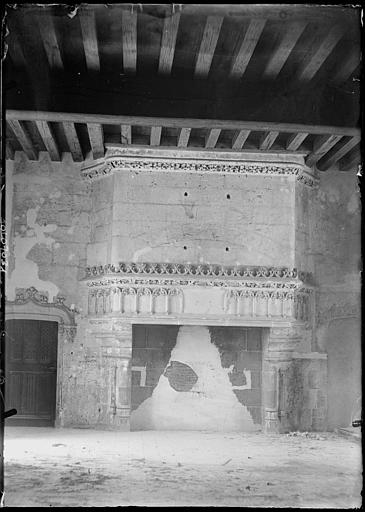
(227, 249)
(228, 196)
(185, 194)
(185, 247)
(72, 353)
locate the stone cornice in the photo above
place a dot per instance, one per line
(195, 274)
(118, 160)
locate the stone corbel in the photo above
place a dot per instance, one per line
(68, 332)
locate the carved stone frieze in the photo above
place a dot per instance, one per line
(274, 303)
(175, 270)
(249, 292)
(132, 300)
(118, 161)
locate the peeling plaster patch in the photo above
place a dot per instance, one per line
(55, 195)
(25, 273)
(353, 204)
(140, 252)
(211, 404)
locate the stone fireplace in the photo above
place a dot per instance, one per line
(215, 244)
(277, 301)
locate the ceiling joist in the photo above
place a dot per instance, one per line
(168, 42)
(329, 145)
(208, 45)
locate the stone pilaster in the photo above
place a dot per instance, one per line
(277, 358)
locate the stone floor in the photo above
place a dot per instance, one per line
(47, 467)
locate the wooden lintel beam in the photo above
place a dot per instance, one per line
(291, 34)
(212, 138)
(247, 48)
(183, 138)
(321, 146)
(267, 140)
(126, 134)
(310, 68)
(73, 141)
(168, 42)
(295, 141)
(50, 43)
(345, 148)
(240, 138)
(49, 140)
(96, 138)
(89, 38)
(129, 28)
(208, 45)
(24, 139)
(155, 138)
(173, 122)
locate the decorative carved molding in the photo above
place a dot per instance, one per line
(68, 332)
(117, 161)
(195, 270)
(129, 299)
(276, 303)
(250, 292)
(26, 295)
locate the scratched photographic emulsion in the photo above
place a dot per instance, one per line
(181, 255)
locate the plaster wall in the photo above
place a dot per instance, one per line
(166, 217)
(48, 208)
(335, 255)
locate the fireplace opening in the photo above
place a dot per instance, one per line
(196, 378)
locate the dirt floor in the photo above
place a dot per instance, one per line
(47, 467)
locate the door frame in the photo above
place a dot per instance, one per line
(30, 304)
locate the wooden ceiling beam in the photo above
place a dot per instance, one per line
(348, 66)
(292, 32)
(351, 163)
(23, 139)
(212, 138)
(50, 43)
(243, 57)
(155, 138)
(126, 134)
(343, 150)
(89, 39)
(295, 141)
(267, 140)
(183, 138)
(96, 138)
(73, 141)
(168, 42)
(184, 122)
(129, 35)
(240, 138)
(310, 68)
(208, 45)
(321, 146)
(49, 140)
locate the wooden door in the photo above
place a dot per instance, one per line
(31, 371)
